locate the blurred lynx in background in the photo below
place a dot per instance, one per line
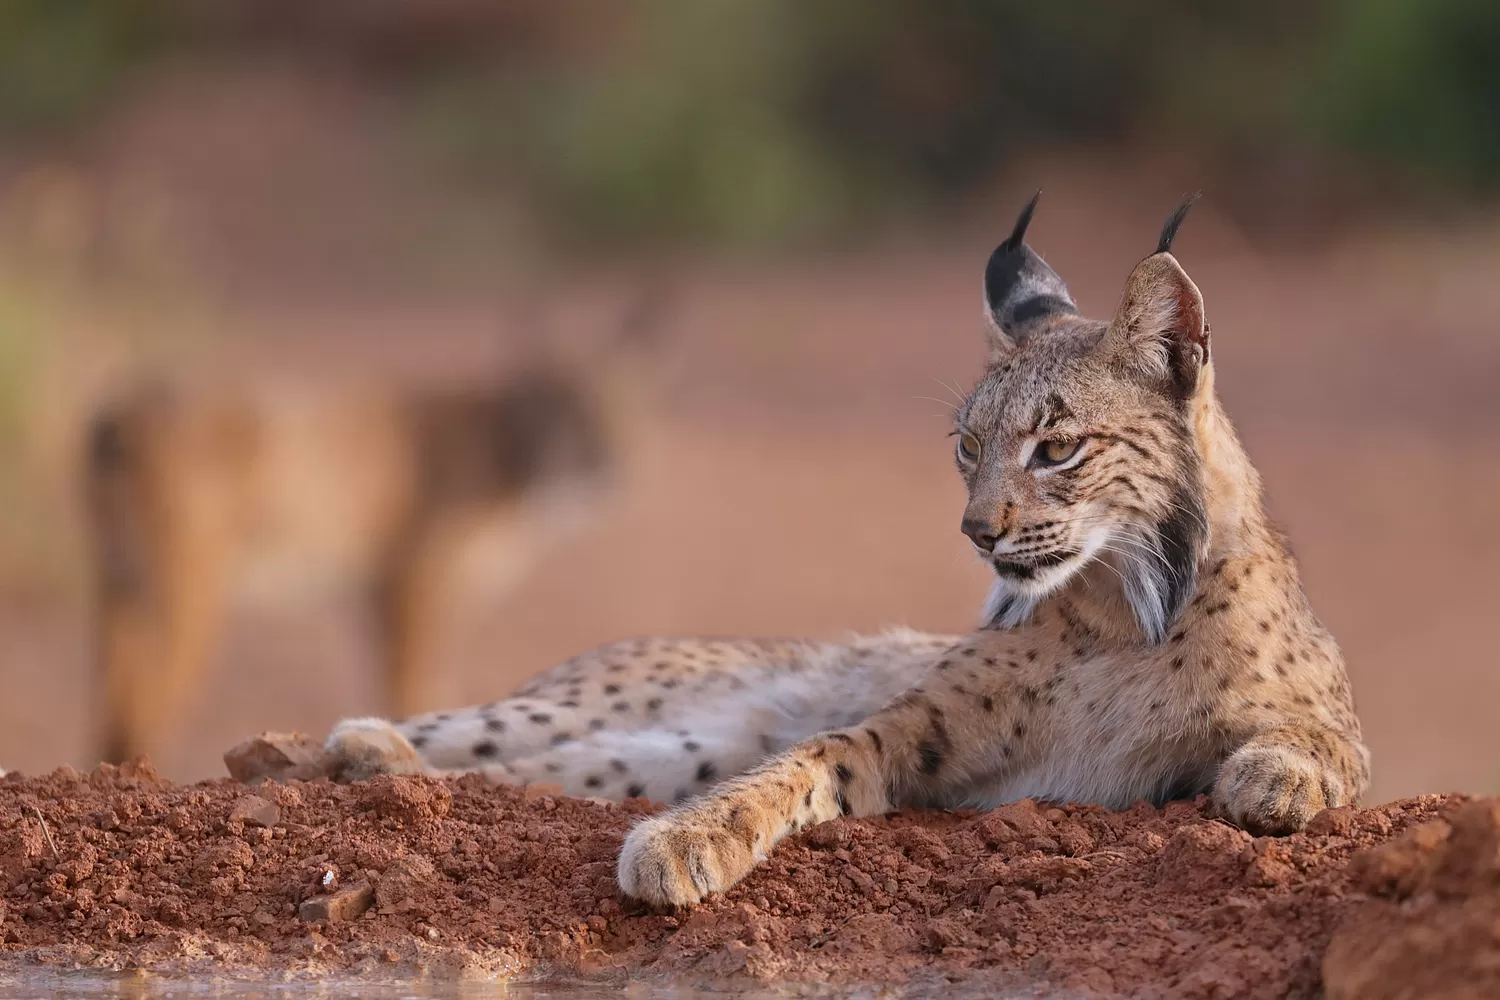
(201, 496)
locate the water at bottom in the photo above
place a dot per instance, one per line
(45, 985)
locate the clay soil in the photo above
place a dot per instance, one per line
(405, 876)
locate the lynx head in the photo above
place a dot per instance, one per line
(580, 402)
(1077, 445)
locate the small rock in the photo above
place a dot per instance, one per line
(346, 904)
(406, 884)
(252, 810)
(829, 835)
(277, 757)
(1338, 821)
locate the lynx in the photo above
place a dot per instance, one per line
(263, 491)
(1146, 635)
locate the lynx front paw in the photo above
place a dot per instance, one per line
(362, 748)
(671, 860)
(1274, 790)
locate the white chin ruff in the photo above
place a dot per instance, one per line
(1005, 608)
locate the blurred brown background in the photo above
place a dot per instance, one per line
(363, 187)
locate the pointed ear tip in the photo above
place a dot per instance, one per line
(1023, 222)
(1174, 223)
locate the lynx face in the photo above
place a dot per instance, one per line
(1077, 445)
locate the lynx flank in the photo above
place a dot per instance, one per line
(1146, 635)
(265, 491)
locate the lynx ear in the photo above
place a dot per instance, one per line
(1020, 291)
(1159, 326)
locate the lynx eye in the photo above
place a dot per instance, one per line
(1055, 452)
(968, 447)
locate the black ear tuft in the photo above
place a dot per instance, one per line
(1020, 291)
(1174, 223)
(1023, 221)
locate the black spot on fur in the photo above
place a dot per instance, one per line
(561, 738)
(988, 703)
(591, 782)
(875, 740)
(635, 791)
(692, 747)
(844, 774)
(707, 771)
(485, 749)
(540, 718)
(653, 705)
(841, 737)
(418, 742)
(494, 725)
(933, 750)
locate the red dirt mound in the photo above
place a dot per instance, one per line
(120, 869)
(1433, 928)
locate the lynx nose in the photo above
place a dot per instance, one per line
(982, 533)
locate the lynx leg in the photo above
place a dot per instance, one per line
(1285, 776)
(360, 749)
(160, 580)
(926, 744)
(409, 601)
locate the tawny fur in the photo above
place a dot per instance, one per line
(1147, 637)
(272, 492)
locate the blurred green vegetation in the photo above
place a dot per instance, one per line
(60, 61)
(768, 121)
(1418, 82)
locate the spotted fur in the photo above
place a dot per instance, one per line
(1147, 635)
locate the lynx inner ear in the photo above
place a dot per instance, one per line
(1021, 293)
(1160, 326)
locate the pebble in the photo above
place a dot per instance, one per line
(346, 904)
(252, 810)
